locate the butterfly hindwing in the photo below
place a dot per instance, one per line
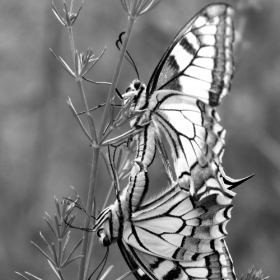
(177, 234)
(179, 228)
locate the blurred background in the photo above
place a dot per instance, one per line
(43, 151)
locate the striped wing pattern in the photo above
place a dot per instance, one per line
(176, 237)
(196, 140)
(215, 266)
(199, 62)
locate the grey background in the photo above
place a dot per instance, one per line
(43, 151)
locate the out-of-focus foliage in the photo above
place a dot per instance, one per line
(43, 151)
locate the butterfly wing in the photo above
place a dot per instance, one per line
(199, 61)
(174, 237)
(195, 137)
(216, 266)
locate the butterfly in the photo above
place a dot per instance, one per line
(179, 234)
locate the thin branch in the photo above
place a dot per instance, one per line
(115, 77)
(91, 191)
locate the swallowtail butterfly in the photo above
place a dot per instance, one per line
(180, 234)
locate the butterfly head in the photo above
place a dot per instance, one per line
(136, 94)
(106, 225)
(102, 227)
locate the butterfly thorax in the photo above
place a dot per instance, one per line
(136, 94)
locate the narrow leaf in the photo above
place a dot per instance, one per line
(46, 242)
(95, 82)
(50, 224)
(66, 263)
(72, 108)
(55, 271)
(58, 226)
(34, 244)
(21, 275)
(57, 207)
(150, 6)
(106, 272)
(126, 274)
(55, 255)
(67, 224)
(57, 14)
(72, 251)
(65, 245)
(106, 164)
(79, 198)
(77, 14)
(92, 128)
(33, 276)
(124, 4)
(64, 64)
(93, 61)
(77, 63)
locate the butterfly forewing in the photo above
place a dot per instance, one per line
(199, 62)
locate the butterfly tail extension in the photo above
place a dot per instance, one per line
(232, 183)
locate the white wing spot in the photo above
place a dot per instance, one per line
(200, 73)
(200, 21)
(197, 272)
(208, 40)
(204, 62)
(208, 51)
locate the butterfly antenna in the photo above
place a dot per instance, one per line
(127, 56)
(113, 169)
(81, 208)
(104, 261)
(99, 106)
(118, 94)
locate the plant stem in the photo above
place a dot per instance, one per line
(115, 77)
(72, 44)
(79, 81)
(91, 191)
(59, 256)
(108, 196)
(96, 148)
(91, 241)
(90, 123)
